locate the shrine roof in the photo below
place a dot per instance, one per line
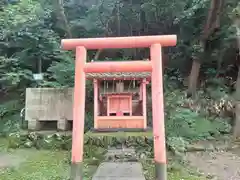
(119, 75)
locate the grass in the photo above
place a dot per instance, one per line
(42, 165)
(172, 175)
(39, 164)
(54, 165)
(181, 176)
(177, 170)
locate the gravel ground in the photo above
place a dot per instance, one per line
(221, 165)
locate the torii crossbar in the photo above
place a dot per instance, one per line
(155, 43)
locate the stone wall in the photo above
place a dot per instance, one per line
(49, 104)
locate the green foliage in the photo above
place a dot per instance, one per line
(12, 75)
(43, 165)
(9, 117)
(190, 120)
(9, 108)
(100, 14)
(175, 170)
(26, 40)
(172, 80)
(177, 144)
(235, 14)
(30, 33)
(61, 73)
(91, 140)
(190, 125)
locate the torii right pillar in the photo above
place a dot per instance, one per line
(158, 113)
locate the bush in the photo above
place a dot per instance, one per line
(190, 125)
(10, 117)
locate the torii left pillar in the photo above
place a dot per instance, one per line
(78, 114)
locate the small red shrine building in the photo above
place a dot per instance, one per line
(120, 100)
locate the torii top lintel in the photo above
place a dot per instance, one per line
(120, 42)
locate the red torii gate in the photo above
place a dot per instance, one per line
(155, 43)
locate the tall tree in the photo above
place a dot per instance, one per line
(236, 24)
(61, 17)
(211, 25)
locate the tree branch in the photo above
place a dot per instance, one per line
(107, 31)
(213, 19)
(60, 12)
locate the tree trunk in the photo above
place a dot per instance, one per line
(193, 78)
(236, 129)
(212, 23)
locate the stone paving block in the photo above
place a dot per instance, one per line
(119, 171)
(114, 151)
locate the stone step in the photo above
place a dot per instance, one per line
(124, 154)
(119, 171)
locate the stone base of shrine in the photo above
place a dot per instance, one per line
(102, 122)
(108, 130)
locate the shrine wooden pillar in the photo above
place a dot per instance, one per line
(144, 102)
(96, 102)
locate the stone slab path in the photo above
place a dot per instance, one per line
(119, 171)
(121, 164)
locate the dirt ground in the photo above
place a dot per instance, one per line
(10, 160)
(216, 165)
